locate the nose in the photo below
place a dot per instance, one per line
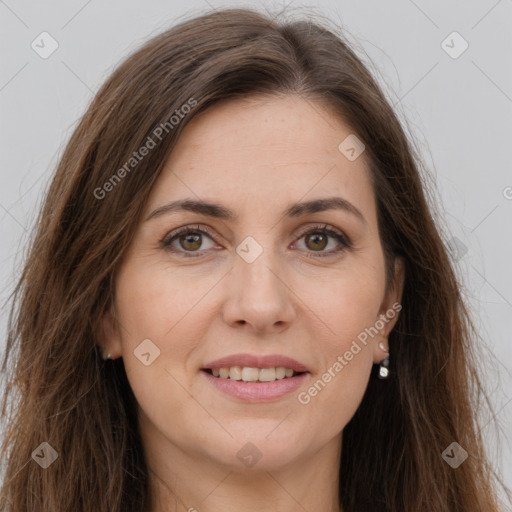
(258, 296)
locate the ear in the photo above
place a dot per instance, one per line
(389, 311)
(110, 334)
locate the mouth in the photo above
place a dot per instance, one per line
(256, 378)
(250, 374)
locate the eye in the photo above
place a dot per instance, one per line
(316, 239)
(189, 240)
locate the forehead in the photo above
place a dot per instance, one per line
(261, 151)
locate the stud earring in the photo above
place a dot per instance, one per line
(107, 357)
(384, 365)
(384, 368)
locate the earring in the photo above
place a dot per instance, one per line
(384, 365)
(384, 368)
(107, 357)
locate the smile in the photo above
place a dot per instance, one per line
(248, 374)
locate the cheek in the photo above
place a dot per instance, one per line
(349, 305)
(333, 398)
(155, 301)
(156, 307)
(171, 310)
(346, 356)
(349, 300)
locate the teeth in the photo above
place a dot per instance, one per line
(248, 374)
(280, 372)
(235, 373)
(268, 374)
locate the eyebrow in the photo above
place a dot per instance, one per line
(221, 212)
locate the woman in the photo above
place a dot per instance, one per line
(237, 297)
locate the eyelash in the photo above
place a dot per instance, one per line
(345, 242)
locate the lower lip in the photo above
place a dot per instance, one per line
(257, 391)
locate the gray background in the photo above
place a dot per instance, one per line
(458, 109)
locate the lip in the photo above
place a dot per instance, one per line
(257, 391)
(253, 361)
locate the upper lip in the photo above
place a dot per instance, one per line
(254, 361)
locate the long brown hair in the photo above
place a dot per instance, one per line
(60, 391)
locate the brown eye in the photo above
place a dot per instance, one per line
(190, 242)
(187, 241)
(316, 241)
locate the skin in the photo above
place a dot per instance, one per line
(255, 156)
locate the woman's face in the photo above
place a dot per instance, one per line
(263, 289)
